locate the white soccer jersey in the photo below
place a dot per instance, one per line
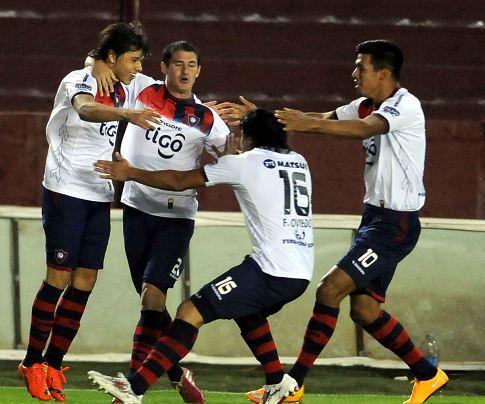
(75, 144)
(394, 161)
(274, 191)
(186, 127)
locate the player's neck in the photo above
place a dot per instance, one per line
(385, 92)
(178, 95)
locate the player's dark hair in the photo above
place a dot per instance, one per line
(173, 47)
(385, 55)
(264, 129)
(121, 37)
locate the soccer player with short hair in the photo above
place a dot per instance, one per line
(158, 224)
(273, 187)
(76, 203)
(391, 124)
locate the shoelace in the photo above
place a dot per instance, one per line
(39, 377)
(61, 373)
(413, 382)
(122, 384)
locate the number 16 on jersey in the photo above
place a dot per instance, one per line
(296, 190)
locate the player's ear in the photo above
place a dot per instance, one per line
(198, 71)
(111, 57)
(385, 74)
(163, 68)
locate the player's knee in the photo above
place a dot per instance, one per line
(152, 298)
(362, 316)
(189, 313)
(84, 279)
(58, 279)
(328, 292)
(357, 315)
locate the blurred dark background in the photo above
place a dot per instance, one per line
(284, 53)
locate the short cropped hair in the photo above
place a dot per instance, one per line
(385, 55)
(173, 47)
(121, 37)
(264, 129)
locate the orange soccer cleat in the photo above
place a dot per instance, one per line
(424, 389)
(35, 380)
(56, 381)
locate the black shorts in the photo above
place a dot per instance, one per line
(155, 247)
(383, 239)
(245, 289)
(76, 231)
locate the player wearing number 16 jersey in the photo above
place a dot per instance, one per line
(273, 187)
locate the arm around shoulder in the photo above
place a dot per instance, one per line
(120, 169)
(170, 180)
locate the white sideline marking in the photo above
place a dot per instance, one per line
(19, 354)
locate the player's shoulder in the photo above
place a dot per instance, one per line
(201, 107)
(81, 79)
(272, 159)
(146, 85)
(402, 105)
(142, 80)
(402, 98)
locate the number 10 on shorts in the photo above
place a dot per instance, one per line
(368, 258)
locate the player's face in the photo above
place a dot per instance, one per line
(126, 66)
(367, 81)
(181, 73)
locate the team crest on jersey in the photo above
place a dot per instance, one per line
(268, 163)
(60, 256)
(191, 120)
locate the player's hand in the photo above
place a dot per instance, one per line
(295, 120)
(145, 118)
(118, 170)
(232, 146)
(210, 103)
(231, 113)
(104, 76)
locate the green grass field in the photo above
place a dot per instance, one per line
(223, 384)
(11, 395)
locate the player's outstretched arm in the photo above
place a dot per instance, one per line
(230, 112)
(121, 170)
(92, 111)
(298, 121)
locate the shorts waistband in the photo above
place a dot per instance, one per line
(389, 212)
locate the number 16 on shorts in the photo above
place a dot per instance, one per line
(223, 287)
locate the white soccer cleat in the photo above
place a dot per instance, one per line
(119, 387)
(276, 393)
